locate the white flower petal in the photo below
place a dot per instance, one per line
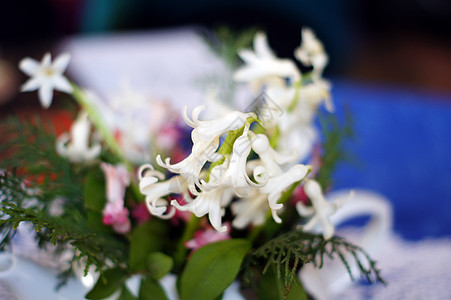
(61, 62)
(62, 84)
(261, 46)
(45, 94)
(32, 84)
(321, 210)
(46, 60)
(78, 149)
(248, 56)
(276, 185)
(29, 66)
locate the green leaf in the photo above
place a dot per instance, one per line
(151, 290)
(108, 283)
(145, 239)
(126, 294)
(94, 191)
(212, 268)
(272, 287)
(159, 264)
(95, 221)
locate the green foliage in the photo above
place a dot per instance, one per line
(150, 289)
(159, 264)
(226, 43)
(212, 268)
(30, 150)
(94, 191)
(146, 238)
(126, 294)
(108, 283)
(273, 287)
(288, 251)
(333, 152)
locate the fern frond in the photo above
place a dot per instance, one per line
(288, 251)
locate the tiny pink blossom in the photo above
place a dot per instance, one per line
(206, 236)
(300, 196)
(140, 213)
(114, 213)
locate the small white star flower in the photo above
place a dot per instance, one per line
(261, 65)
(321, 210)
(78, 149)
(46, 76)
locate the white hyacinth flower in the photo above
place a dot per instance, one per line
(262, 65)
(311, 52)
(320, 211)
(46, 76)
(210, 202)
(250, 210)
(269, 157)
(192, 165)
(277, 184)
(207, 132)
(155, 191)
(314, 94)
(78, 149)
(235, 176)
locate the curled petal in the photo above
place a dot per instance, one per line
(195, 115)
(276, 185)
(321, 210)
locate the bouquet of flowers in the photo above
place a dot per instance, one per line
(134, 189)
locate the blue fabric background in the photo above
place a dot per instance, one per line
(403, 145)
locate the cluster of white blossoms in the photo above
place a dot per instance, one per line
(291, 98)
(254, 182)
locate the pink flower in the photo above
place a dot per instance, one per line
(300, 196)
(114, 213)
(140, 213)
(206, 236)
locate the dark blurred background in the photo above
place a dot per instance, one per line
(404, 42)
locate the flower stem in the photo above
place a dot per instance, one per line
(100, 124)
(181, 251)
